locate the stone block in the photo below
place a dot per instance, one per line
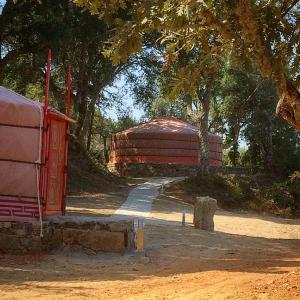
(204, 211)
(71, 224)
(88, 225)
(90, 236)
(10, 243)
(105, 241)
(27, 243)
(120, 226)
(36, 228)
(55, 240)
(17, 225)
(5, 225)
(101, 226)
(21, 231)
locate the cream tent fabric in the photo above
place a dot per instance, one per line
(24, 186)
(20, 138)
(20, 120)
(18, 110)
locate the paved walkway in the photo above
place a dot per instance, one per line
(139, 202)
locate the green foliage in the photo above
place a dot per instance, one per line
(101, 132)
(162, 107)
(77, 39)
(245, 108)
(264, 32)
(260, 193)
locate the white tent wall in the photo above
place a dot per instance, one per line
(20, 146)
(17, 110)
(18, 180)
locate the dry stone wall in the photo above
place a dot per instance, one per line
(152, 169)
(71, 235)
(155, 169)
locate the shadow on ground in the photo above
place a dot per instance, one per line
(170, 250)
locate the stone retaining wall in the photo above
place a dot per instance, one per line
(152, 169)
(65, 234)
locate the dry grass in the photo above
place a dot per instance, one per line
(260, 194)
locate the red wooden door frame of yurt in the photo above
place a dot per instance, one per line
(48, 118)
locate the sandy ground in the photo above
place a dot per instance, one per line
(103, 203)
(247, 257)
(96, 204)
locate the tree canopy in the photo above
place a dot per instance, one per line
(77, 39)
(265, 32)
(221, 65)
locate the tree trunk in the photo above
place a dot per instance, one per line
(89, 137)
(203, 132)
(269, 145)
(234, 154)
(81, 103)
(288, 106)
(189, 106)
(82, 108)
(88, 119)
(270, 66)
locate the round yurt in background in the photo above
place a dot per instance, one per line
(152, 146)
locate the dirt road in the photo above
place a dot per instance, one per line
(248, 257)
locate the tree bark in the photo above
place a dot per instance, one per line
(89, 137)
(202, 125)
(88, 119)
(236, 129)
(268, 149)
(288, 107)
(81, 102)
(270, 66)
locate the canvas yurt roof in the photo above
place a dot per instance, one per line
(17, 110)
(164, 128)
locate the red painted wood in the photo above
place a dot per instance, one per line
(55, 168)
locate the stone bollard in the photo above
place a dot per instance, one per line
(204, 210)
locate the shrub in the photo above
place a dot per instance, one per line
(260, 193)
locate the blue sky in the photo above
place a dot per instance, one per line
(2, 2)
(127, 106)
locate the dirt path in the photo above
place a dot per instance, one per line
(102, 203)
(248, 257)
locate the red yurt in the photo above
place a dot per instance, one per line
(33, 158)
(162, 141)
